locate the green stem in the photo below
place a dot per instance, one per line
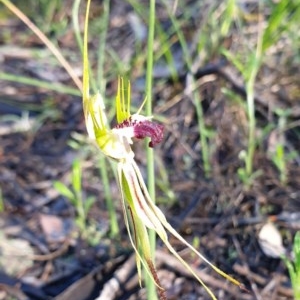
(114, 227)
(256, 63)
(102, 43)
(252, 125)
(150, 286)
(75, 21)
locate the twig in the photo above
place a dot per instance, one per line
(245, 271)
(170, 261)
(45, 40)
(114, 285)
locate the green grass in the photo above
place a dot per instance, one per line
(60, 88)
(281, 17)
(278, 155)
(82, 205)
(293, 266)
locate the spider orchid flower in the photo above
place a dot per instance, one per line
(140, 212)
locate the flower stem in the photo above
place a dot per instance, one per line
(150, 286)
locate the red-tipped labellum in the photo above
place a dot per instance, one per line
(149, 129)
(144, 129)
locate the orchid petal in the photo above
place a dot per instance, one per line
(123, 109)
(140, 242)
(162, 220)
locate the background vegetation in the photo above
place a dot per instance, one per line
(226, 88)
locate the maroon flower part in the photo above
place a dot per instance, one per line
(125, 123)
(144, 128)
(149, 129)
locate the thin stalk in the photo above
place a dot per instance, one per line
(252, 125)
(114, 227)
(150, 286)
(75, 22)
(250, 100)
(80, 42)
(101, 46)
